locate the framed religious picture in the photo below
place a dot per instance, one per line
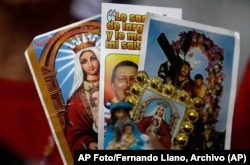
(65, 67)
(122, 27)
(163, 114)
(157, 115)
(201, 60)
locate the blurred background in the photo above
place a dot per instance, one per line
(25, 137)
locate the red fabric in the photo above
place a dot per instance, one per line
(241, 120)
(163, 130)
(79, 130)
(23, 125)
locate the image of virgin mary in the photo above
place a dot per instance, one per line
(122, 132)
(156, 127)
(80, 117)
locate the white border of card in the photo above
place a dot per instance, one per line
(127, 9)
(206, 28)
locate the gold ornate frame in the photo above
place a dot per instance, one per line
(142, 83)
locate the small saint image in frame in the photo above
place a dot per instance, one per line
(159, 117)
(163, 114)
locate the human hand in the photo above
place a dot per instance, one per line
(93, 146)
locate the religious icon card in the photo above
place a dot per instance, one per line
(164, 114)
(201, 60)
(122, 27)
(65, 66)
